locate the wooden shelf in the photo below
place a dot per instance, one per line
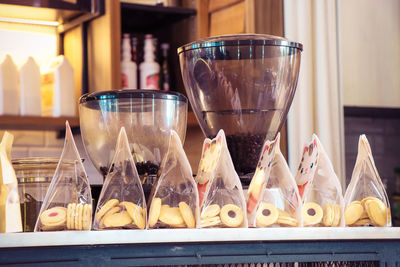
(11, 122)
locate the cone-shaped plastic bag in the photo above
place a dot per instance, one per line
(10, 211)
(272, 198)
(174, 198)
(222, 201)
(121, 203)
(366, 199)
(68, 201)
(319, 188)
(211, 153)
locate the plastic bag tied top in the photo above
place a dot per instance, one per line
(121, 204)
(319, 188)
(366, 199)
(272, 198)
(174, 197)
(221, 195)
(68, 201)
(10, 211)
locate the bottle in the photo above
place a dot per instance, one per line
(149, 68)
(165, 69)
(58, 89)
(128, 67)
(31, 100)
(9, 102)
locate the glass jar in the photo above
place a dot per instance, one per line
(34, 176)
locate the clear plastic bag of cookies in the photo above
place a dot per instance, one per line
(272, 198)
(223, 203)
(365, 198)
(174, 197)
(319, 188)
(10, 211)
(121, 204)
(68, 201)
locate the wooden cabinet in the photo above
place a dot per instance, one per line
(169, 24)
(64, 19)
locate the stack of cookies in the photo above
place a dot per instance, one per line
(230, 215)
(314, 215)
(268, 215)
(165, 216)
(79, 216)
(367, 212)
(74, 217)
(332, 215)
(120, 215)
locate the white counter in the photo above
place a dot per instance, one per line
(69, 238)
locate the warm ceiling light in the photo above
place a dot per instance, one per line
(30, 21)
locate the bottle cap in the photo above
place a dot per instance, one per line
(164, 46)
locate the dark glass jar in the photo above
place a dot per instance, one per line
(34, 176)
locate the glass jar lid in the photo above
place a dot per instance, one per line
(240, 40)
(136, 93)
(34, 170)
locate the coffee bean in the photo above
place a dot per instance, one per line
(245, 150)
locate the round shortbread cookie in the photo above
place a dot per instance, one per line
(154, 212)
(117, 219)
(87, 210)
(106, 207)
(80, 217)
(70, 219)
(170, 216)
(369, 198)
(312, 213)
(286, 218)
(74, 216)
(112, 211)
(353, 212)
(376, 212)
(187, 215)
(329, 215)
(382, 206)
(231, 215)
(338, 215)
(287, 221)
(267, 214)
(208, 222)
(54, 217)
(136, 213)
(210, 211)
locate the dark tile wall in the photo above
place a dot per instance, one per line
(384, 137)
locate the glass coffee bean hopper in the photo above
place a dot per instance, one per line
(243, 84)
(148, 117)
(34, 176)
